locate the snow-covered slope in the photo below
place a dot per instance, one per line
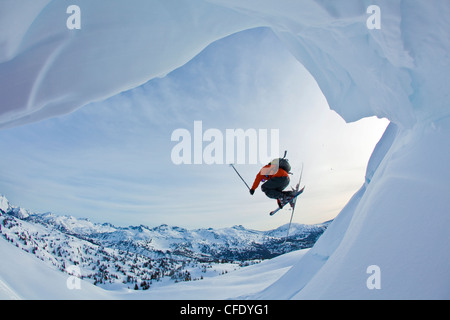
(400, 72)
(19, 280)
(397, 221)
(134, 258)
(25, 277)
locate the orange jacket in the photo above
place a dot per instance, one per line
(268, 172)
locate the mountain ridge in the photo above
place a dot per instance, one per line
(140, 254)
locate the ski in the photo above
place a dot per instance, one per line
(292, 200)
(293, 206)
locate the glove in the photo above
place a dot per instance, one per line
(252, 191)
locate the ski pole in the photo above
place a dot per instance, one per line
(292, 214)
(240, 176)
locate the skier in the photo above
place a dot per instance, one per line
(275, 176)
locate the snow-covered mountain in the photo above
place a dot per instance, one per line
(110, 255)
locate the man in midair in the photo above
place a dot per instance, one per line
(275, 176)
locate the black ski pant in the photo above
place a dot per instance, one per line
(274, 187)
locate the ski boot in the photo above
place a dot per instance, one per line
(287, 196)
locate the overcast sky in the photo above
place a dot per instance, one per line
(111, 161)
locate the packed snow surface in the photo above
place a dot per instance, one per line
(18, 280)
(399, 219)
